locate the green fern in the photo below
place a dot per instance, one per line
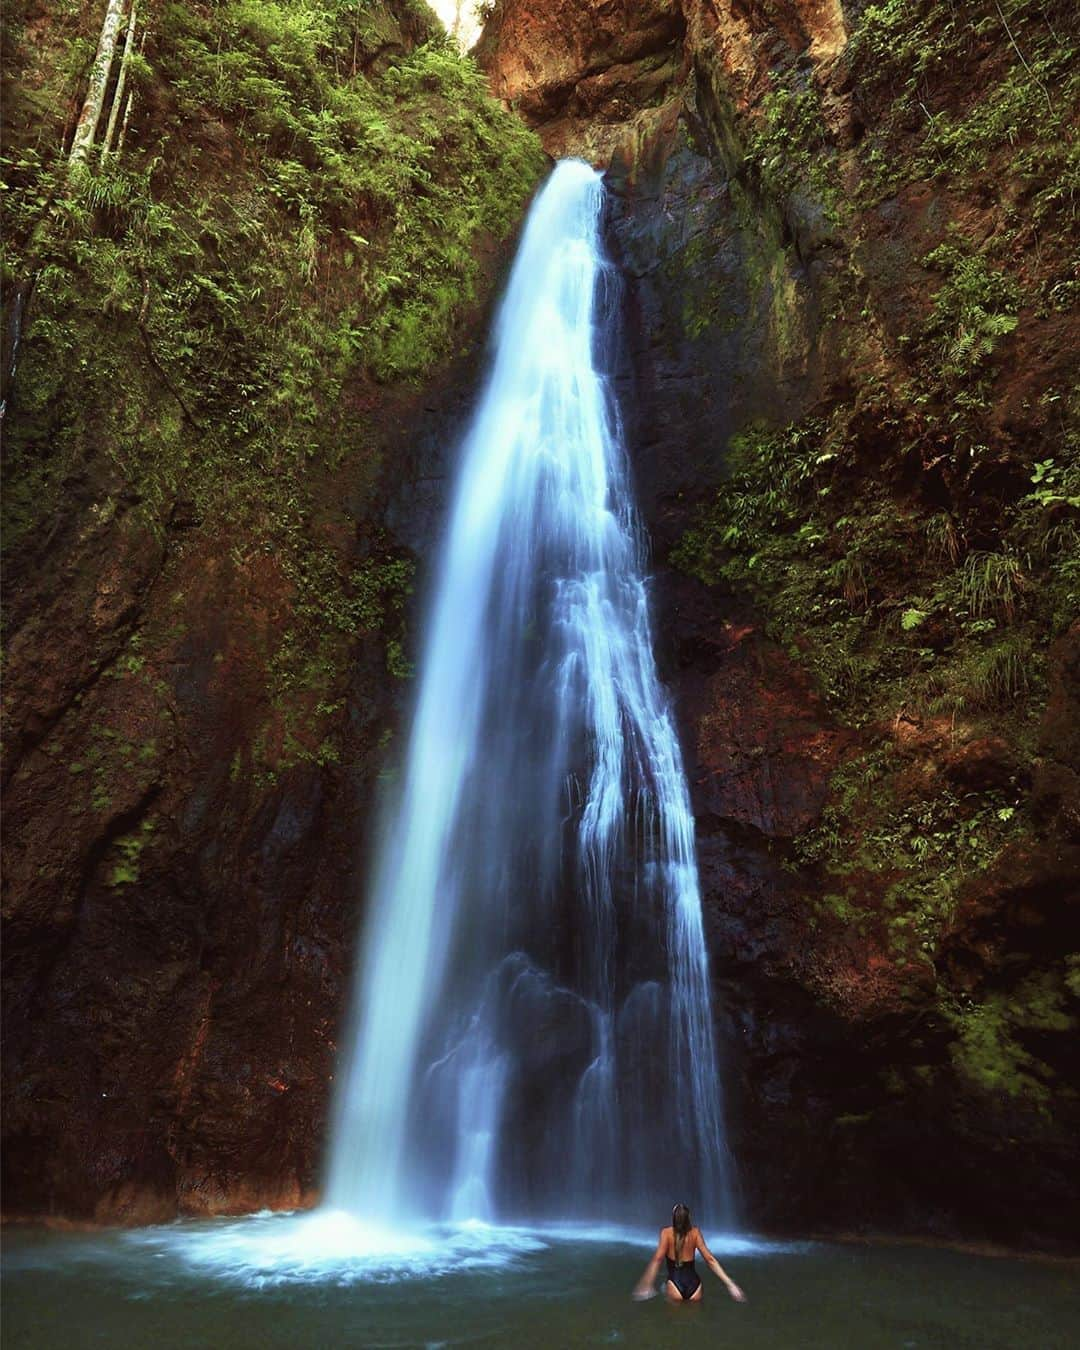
(999, 675)
(974, 308)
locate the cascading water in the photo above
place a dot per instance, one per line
(533, 1023)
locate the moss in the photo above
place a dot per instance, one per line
(199, 316)
(788, 149)
(894, 863)
(127, 851)
(297, 219)
(694, 268)
(849, 585)
(397, 663)
(110, 758)
(309, 670)
(974, 308)
(839, 906)
(854, 1122)
(893, 613)
(989, 1050)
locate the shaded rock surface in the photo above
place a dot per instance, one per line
(180, 921)
(217, 496)
(901, 1035)
(887, 783)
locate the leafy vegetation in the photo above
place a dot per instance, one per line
(913, 557)
(296, 222)
(990, 1049)
(340, 249)
(973, 309)
(919, 850)
(897, 616)
(788, 148)
(907, 52)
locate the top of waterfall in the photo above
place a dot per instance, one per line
(576, 166)
(564, 215)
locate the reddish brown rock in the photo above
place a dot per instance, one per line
(764, 748)
(183, 878)
(547, 59)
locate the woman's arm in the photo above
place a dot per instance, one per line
(717, 1269)
(646, 1286)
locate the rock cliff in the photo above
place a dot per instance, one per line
(850, 321)
(247, 343)
(241, 348)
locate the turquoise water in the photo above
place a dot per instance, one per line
(280, 1282)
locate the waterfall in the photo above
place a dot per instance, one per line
(532, 1026)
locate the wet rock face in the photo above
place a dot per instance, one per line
(177, 936)
(180, 917)
(763, 746)
(212, 531)
(704, 359)
(869, 1085)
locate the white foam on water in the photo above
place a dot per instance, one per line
(722, 1245)
(331, 1246)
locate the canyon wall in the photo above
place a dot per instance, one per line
(849, 383)
(249, 342)
(851, 335)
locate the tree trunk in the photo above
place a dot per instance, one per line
(90, 116)
(130, 104)
(9, 348)
(121, 81)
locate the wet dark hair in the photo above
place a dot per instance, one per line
(680, 1225)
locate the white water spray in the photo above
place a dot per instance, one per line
(533, 1026)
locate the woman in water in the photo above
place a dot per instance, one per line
(678, 1244)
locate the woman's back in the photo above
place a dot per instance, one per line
(680, 1249)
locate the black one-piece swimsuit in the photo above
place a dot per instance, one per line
(683, 1275)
